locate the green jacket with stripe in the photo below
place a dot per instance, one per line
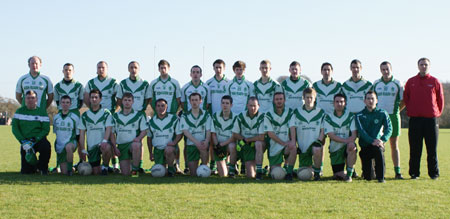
(28, 123)
(373, 125)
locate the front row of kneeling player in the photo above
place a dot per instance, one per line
(282, 131)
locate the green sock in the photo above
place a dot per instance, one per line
(69, 166)
(171, 169)
(231, 168)
(321, 167)
(141, 164)
(349, 171)
(316, 170)
(397, 170)
(186, 164)
(289, 169)
(259, 168)
(134, 168)
(115, 160)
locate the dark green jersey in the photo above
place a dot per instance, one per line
(28, 123)
(373, 125)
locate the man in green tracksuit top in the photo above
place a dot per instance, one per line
(374, 129)
(31, 126)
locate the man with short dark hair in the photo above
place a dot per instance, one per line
(374, 129)
(31, 126)
(424, 100)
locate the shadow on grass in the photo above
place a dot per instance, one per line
(11, 178)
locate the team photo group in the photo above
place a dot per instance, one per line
(227, 126)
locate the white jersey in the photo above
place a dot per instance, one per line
(66, 129)
(308, 125)
(293, 91)
(108, 87)
(222, 127)
(140, 90)
(355, 92)
(390, 94)
(95, 124)
(341, 126)
(190, 88)
(325, 94)
(279, 125)
(217, 90)
(248, 126)
(240, 91)
(164, 130)
(265, 92)
(73, 89)
(41, 84)
(168, 90)
(128, 127)
(198, 127)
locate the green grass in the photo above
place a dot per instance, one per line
(187, 197)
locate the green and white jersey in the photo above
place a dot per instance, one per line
(168, 90)
(293, 91)
(240, 91)
(196, 126)
(222, 127)
(390, 94)
(190, 88)
(140, 90)
(308, 125)
(355, 92)
(279, 125)
(264, 92)
(41, 84)
(73, 89)
(217, 90)
(128, 127)
(95, 124)
(325, 94)
(164, 130)
(248, 126)
(66, 129)
(108, 86)
(341, 126)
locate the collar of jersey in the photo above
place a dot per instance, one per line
(223, 78)
(157, 117)
(200, 113)
(256, 114)
(351, 80)
(326, 85)
(137, 79)
(392, 79)
(236, 80)
(38, 73)
(298, 79)
(168, 79)
(343, 113)
(230, 116)
(199, 84)
(268, 81)
(304, 108)
(275, 110)
(132, 111)
(98, 78)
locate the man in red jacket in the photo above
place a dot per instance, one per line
(424, 100)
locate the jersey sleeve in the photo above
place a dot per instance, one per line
(56, 94)
(353, 125)
(261, 129)
(119, 91)
(213, 127)
(19, 86)
(208, 95)
(148, 91)
(109, 121)
(183, 125)
(82, 123)
(361, 130)
(252, 89)
(178, 130)
(81, 92)
(236, 126)
(143, 125)
(267, 125)
(87, 88)
(49, 85)
(208, 123)
(327, 128)
(177, 90)
(183, 91)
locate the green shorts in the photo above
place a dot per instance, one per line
(223, 149)
(158, 154)
(339, 156)
(396, 124)
(62, 157)
(94, 155)
(276, 159)
(193, 154)
(305, 159)
(125, 151)
(247, 153)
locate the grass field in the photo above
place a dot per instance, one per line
(115, 196)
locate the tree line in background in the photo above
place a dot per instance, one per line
(9, 106)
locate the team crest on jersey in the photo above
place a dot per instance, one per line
(376, 121)
(170, 88)
(245, 89)
(33, 83)
(68, 124)
(164, 86)
(40, 83)
(392, 89)
(239, 89)
(62, 124)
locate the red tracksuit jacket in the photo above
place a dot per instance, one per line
(423, 97)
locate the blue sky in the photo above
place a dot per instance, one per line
(311, 32)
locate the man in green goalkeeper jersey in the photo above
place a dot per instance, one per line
(248, 130)
(309, 131)
(163, 136)
(277, 123)
(37, 82)
(196, 126)
(31, 126)
(340, 127)
(95, 128)
(265, 87)
(65, 127)
(130, 127)
(222, 135)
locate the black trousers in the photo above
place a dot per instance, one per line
(43, 147)
(367, 154)
(419, 129)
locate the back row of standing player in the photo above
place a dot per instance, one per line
(164, 87)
